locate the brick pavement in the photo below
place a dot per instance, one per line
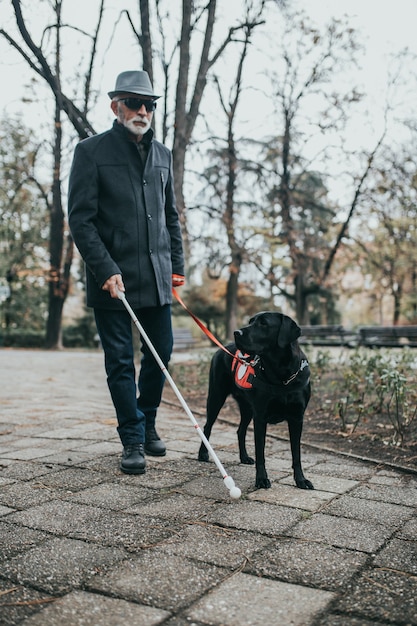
(83, 544)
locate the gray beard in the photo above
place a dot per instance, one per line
(138, 130)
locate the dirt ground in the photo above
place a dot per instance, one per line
(372, 438)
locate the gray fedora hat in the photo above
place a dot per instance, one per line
(137, 82)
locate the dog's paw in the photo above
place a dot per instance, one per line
(304, 484)
(247, 460)
(262, 482)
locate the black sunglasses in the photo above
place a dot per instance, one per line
(134, 104)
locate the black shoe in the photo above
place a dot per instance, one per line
(154, 446)
(133, 459)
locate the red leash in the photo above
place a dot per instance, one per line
(199, 323)
(236, 357)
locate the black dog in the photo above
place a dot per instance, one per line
(271, 383)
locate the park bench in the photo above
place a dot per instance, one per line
(183, 339)
(323, 335)
(388, 336)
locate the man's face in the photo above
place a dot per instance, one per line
(136, 120)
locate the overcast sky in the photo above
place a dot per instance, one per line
(385, 26)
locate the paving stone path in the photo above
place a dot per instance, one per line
(83, 544)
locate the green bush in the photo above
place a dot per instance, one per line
(83, 334)
(16, 338)
(373, 385)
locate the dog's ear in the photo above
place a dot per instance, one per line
(254, 317)
(289, 332)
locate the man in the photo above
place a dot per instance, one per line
(124, 221)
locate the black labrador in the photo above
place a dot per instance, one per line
(270, 382)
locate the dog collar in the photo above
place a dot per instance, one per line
(303, 364)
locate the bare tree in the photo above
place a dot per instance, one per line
(385, 243)
(238, 253)
(310, 60)
(188, 98)
(37, 61)
(300, 228)
(61, 245)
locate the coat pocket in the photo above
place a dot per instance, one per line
(117, 242)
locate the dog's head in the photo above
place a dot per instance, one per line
(266, 331)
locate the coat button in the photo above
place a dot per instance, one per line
(149, 216)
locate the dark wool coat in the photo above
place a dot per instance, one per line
(123, 218)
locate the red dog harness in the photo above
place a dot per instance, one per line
(243, 370)
(245, 373)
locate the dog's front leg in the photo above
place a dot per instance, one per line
(215, 400)
(203, 454)
(295, 427)
(262, 481)
(245, 418)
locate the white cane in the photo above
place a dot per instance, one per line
(229, 483)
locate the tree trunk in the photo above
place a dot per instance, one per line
(286, 203)
(145, 38)
(229, 220)
(53, 339)
(301, 311)
(231, 299)
(397, 293)
(58, 276)
(55, 304)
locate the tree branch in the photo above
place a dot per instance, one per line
(77, 118)
(353, 206)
